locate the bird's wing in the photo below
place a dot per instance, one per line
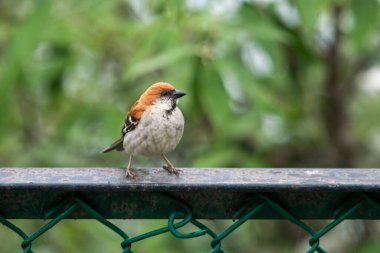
(133, 118)
(130, 123)
(118, 145)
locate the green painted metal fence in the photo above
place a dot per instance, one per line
(240, 194)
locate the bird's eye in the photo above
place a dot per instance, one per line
(165, 93)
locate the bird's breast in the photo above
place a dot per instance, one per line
(157, 132)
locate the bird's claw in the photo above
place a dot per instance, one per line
(129, 173)
(171, 170)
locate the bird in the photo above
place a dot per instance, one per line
(154, 126)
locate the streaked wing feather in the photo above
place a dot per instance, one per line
(130, 124)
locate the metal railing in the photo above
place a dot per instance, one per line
(240, 194)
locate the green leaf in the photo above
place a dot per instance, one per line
(309, 11)
(214, 97)
(258, 25)
(160, 61)
(366, 15)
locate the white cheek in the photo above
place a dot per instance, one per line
(163, 104)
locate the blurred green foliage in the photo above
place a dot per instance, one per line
(270, 84)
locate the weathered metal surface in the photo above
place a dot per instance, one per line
(211, 193)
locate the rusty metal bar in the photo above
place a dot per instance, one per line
(211, 193)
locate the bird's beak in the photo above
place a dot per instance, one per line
(178, 94)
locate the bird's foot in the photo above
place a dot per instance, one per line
(171, 169)
(129, 173)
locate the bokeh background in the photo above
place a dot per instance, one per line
(271, 83)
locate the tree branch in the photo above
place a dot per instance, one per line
(337, 121)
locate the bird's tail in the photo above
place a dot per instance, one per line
(118, 145)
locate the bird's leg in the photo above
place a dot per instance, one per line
(129, 172)
(169, 166)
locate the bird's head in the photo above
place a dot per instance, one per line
(163, 95)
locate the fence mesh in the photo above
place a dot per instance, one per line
(182, 215)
